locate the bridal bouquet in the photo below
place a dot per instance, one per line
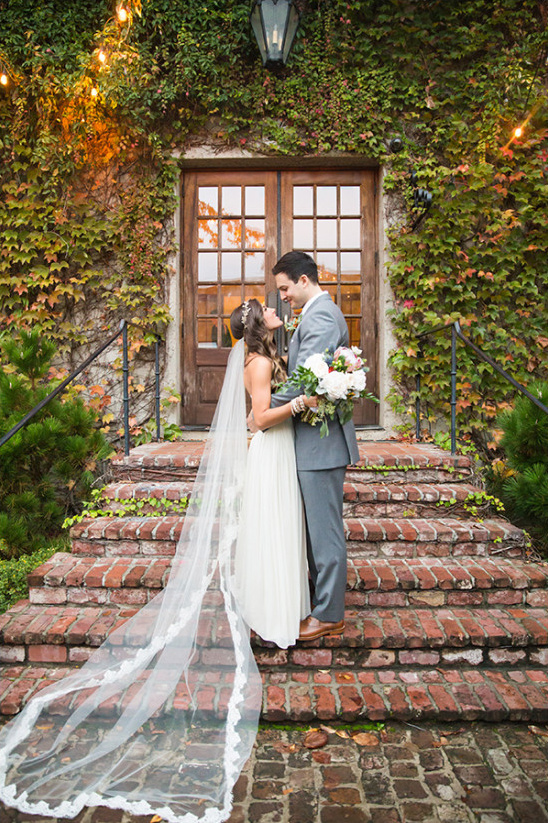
(337, 379)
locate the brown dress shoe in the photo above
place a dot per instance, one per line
(311, 628)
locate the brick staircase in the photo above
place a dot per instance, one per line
(446, 617)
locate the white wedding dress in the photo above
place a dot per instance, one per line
(271, 573)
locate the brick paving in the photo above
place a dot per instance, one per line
(461, 773)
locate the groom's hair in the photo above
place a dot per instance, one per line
(296, 263)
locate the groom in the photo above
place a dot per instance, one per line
(321, 463)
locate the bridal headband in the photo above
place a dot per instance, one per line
(246, 308)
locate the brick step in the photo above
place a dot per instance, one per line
(78, 580)
(429, 694)
(401, 462)
(452, 695)
(424, 500)
(373, 638)
(360, 498)
(389, 537)
(434, 537)
(376, 581)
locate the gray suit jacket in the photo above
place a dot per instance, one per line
(322, 327)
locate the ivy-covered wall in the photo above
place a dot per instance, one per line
(88, 171)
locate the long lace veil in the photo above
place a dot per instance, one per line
(162, 717)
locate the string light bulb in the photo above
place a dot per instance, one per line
(4, 79)
(518, 131)
(122, 14)
(94, 92)
(102, 58)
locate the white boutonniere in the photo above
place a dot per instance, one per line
(291, 325)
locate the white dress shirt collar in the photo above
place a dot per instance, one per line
(309, 302)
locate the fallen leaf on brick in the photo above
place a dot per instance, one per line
(346, 677)
(365, 739)
(338, 732)
(538, 730)
(315, 739)
(287, 791)
(46, 727)
(156, 819)
(323, 671)
(284, 748)
(441, 742)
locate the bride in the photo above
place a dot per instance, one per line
(271, 573)
(163, 715)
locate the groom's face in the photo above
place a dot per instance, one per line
(295, 294)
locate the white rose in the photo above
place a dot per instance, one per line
(357, 383)
(317, 365)
(335, 385)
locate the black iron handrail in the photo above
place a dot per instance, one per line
(125, 369)
(457, 332)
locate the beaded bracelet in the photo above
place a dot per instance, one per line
(297, 405)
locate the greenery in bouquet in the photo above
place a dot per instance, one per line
(337, 379)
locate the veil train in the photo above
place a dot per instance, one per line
(162, 717)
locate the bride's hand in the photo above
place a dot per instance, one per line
(310, 402)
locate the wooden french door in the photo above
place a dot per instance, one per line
(236, 224)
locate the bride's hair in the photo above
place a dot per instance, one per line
(247, 321)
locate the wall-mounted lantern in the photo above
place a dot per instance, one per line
(274, 23)
(422, 199)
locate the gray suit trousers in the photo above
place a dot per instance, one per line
(322, 492)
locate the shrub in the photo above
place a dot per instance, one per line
(13, 573)
(522, 484)
(47, 467)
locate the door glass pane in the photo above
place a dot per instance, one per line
(351, 299)
(254, 234)
(207, 266)
(254, 266)
(350, 234)
(207, 299)
(254, 291)
(231, 297)
(327, 234)
(354, 331)
(207, 333)
(231, 265)
(327, 265)
(351, 265)
(254, 200)
(332, 291)
(303, 234)
(231, 199)
(208, 201)
(208, 234)
(303, 200)
(231, 234)
(350, 200)
(326, 200)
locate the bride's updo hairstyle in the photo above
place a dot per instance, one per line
(247, 321)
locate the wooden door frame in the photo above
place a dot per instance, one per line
(370, 231)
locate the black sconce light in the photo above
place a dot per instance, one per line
(274, 23)
(422, 198)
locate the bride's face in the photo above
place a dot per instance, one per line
(271, 319)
